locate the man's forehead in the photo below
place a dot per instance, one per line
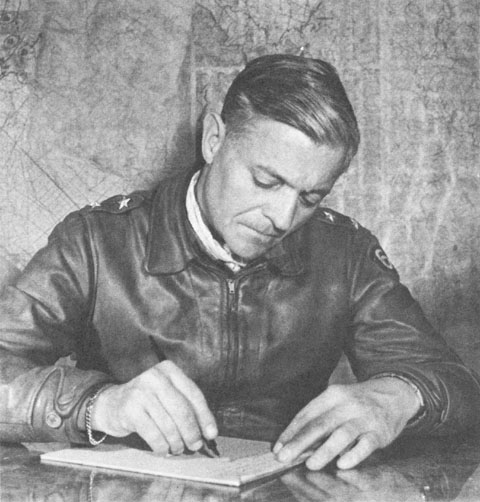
(279, 150)
(274, 134)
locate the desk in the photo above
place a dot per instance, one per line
(409, 470)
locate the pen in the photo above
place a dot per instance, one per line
(209, 447)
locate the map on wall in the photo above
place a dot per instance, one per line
(92, 103)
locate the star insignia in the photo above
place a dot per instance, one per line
(123, 204)
(329, 216)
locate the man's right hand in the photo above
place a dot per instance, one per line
(162, 405)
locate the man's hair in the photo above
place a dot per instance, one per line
(304, 93)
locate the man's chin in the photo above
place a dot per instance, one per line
(248, 244)
(248, 253)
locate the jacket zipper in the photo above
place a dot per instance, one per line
(232, 332)
(231, 322)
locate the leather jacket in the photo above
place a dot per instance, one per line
(260, 344)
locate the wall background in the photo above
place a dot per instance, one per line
(100, 97)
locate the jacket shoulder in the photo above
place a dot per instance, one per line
(363, 241)
(120, 204)
(331, 217)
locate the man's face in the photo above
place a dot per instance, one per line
(263, 183)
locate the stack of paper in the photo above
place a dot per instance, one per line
(242, 461)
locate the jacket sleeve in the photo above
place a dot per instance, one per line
(43, 317)
(389, 334)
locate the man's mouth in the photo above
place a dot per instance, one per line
(266, 234)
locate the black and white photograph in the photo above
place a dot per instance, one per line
(240, 250)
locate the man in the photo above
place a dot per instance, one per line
(223, 300)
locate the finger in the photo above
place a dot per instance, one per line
(366, 445)
(338, 441)
(195, 397)
(298, 422)
(318, 406)
(147, 429)
(166, 425)
(180, 411)
(307, 438)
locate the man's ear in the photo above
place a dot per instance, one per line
(212, 136)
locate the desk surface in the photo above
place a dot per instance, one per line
(409, 470)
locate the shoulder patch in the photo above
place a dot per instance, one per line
(118, 204)
(330, 216)
(378, 256)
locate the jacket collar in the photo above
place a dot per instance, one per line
(170, 242)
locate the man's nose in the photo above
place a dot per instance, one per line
(280, 210)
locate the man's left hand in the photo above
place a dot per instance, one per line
(350, 421)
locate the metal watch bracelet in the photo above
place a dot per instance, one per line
(97, 390)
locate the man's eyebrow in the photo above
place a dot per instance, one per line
(267, 170)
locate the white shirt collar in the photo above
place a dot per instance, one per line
(210, 244)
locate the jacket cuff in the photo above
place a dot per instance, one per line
(434, 400)
(58, 403)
